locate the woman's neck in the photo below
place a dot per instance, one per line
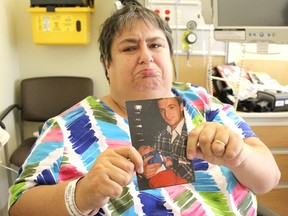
(116, 106)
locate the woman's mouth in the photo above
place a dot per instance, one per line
(148, 72)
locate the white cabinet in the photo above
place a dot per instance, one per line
(272, 129)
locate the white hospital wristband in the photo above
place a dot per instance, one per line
(70, 200)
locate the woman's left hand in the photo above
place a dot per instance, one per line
(217, 144)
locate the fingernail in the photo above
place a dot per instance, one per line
(140, 170)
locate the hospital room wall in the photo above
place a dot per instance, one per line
(62, 60)
(21, 58)
(39, 60)
(53, 60)
(9, 76)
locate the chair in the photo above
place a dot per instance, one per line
(41, 99)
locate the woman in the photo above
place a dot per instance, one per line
(83, 162)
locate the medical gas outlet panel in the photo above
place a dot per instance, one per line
(190, 33)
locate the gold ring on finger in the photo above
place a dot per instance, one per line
(220, 142)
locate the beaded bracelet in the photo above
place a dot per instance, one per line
(70, 200)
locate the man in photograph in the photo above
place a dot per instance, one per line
(172, 139)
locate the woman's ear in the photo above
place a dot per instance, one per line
(106, 63)
(107, 66)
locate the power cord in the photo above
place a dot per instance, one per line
(8, 168)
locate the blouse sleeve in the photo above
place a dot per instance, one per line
(212, 110)
(226, 114)
(43, 163)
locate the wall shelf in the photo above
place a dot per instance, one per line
(265, 118)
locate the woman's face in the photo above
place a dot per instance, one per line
(141, 66)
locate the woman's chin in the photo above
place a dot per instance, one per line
(149, 84)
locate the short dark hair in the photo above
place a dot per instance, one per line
(124, 17)
(179, 99)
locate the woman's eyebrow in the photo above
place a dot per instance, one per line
(155, 38)
(136, 40)
(129, 40)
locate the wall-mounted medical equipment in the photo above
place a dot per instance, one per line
(61, 22)
(183, 17)
(191, 35)
(248, 21)
(258, 21)
(189, 38)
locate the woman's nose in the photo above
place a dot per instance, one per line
(145, 56)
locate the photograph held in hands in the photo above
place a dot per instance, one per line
(158, 131)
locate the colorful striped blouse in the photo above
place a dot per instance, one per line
(70, 143)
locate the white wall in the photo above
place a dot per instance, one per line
(9, 77)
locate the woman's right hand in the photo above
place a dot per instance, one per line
(112, 170)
